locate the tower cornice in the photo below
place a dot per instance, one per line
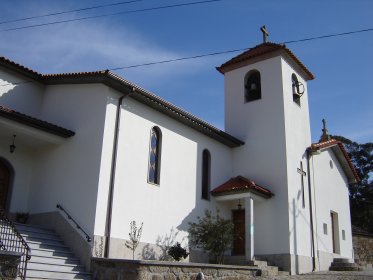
(261, 52)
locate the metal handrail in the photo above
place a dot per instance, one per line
(75, 222)
(12, 241)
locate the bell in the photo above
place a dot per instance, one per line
(253, 87)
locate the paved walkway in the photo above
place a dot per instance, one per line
(329, 275)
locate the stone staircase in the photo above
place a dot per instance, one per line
(342, 264)
(266, 270)
(50, 257)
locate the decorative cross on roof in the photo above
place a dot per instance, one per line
(325, 136)
(265, 33)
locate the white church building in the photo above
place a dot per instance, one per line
(110, 152)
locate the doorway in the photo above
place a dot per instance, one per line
(335, 232)
(5, 176)
(239, 232)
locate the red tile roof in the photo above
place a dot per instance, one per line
(259, 50)
(34, 122)
(241, 184)
(339, 144)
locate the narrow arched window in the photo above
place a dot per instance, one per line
(206, 172)
(154, 155)
(253, 89)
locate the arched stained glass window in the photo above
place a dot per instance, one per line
(154, 155)
(206, 171)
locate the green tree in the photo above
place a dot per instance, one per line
(213, 234)
(361, 193)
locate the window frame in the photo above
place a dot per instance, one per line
(206, 175)
(157, 168)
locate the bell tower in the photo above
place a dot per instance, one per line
(266, 106)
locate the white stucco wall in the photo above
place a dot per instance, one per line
(20, 93)
(68, 173)
(260, 124)
(298, 138)
(177, 199)
(331, 194)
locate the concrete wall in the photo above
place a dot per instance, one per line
(363, 249)
(107, 269)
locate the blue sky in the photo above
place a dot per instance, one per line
(343, 66)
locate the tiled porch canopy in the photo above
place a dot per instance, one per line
(240, 185)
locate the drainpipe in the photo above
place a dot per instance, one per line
(309, 155)
(109, 211)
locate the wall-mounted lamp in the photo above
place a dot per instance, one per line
(12, 147)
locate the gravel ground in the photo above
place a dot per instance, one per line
(329, 275)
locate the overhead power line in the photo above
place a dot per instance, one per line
(329, 36)
(237, 50)
(110, 14)
(221, 52)
(70, 11)
(177, 59)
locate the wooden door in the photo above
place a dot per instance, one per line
(335, 232)
(239, 232)
(4, 185)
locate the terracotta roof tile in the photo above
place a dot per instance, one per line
(34, 122)
(14, 65)
(331, 143)
(260, 50)
(241, 184)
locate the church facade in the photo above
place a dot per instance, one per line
(111, 152)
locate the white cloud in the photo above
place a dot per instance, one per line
(90, 46)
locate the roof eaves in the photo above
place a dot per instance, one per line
(175, 112)
(35, 123)
(112, 80)
(260, 50)
(15, 67)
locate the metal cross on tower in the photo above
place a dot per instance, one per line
(265, 33)
(302, 174)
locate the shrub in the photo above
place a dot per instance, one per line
(177, 252)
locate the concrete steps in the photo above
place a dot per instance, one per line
(342, 264)
(50, 257)
(267, 270)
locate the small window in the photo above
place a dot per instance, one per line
(331, 164)
(154, 155)
(343, 234)
(206, 172)
(253, 90)
(297, 89)
(325, 226)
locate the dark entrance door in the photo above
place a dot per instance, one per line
(4, 185)
(239, 232)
